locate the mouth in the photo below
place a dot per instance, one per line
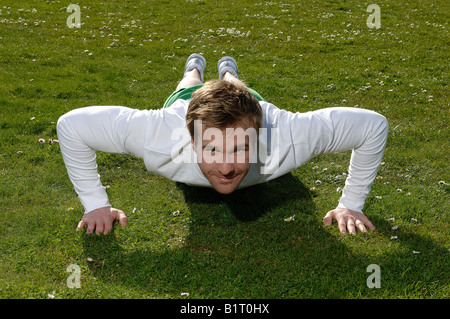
(225, 180)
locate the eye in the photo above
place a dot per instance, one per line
(241, 149)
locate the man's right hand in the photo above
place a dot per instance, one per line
(101, 220)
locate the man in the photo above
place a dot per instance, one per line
(224, 135)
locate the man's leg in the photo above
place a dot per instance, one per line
(192, 79)
(193, 71)
(230, 77)
(228, 71)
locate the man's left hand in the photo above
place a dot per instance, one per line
(348, 219)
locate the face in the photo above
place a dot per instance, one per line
(224, 155)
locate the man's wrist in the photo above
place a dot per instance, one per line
(94, 199)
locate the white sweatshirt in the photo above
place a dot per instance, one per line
(161, 139)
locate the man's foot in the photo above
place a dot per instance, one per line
(227, 64)
(196, 61)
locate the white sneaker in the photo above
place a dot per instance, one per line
(229, 64)
(197, 61)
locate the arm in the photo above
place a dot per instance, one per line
(365, 133)
(108, 129)
(364, 164)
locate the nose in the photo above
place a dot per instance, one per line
(226, 168)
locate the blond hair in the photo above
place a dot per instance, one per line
(222, 104)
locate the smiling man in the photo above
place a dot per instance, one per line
(224, 161)
(223, 119)
(223, 135)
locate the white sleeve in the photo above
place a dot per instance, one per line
(340, 129)
(83, 131)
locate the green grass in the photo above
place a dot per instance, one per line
(299, 55)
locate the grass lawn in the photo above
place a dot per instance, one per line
(301, 56)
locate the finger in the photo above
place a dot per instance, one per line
(342, 224)
(107, 228)
(360, 226)
(90, 228)
(122, 218)
(367, 222)
(99, 228)
(328, 219)
(81, 225)
(351, 226)
(370, 225)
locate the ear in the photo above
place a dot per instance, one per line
(192, 143)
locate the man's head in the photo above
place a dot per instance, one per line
(223, 120)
